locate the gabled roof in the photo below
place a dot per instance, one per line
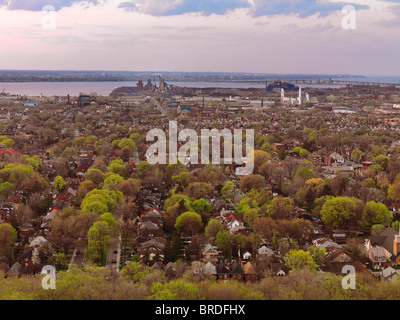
(14, 270)
(236, 268)
(208, 247)
(170, 268)
(222, 268)
(249, 268)
(209, 268)
(276, 267)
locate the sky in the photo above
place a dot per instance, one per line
(255, 36)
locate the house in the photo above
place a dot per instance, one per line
(250, 273)
(236, 271)
(389, 241)
(335, 260)
(377, 257)
(151, 248)
(264, 253)
(14, 271)
(390, 274)
(26, 257)
(339, 237)
(325, 243)
(210, 269)
(170, 270)
(245, 254)
(223, 272)
(26, 229)
(38, 242)
(210, 254)
(336, 157)
(279, 269)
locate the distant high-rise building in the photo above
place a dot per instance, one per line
(140, 85)
(161, 83)
(149, 85)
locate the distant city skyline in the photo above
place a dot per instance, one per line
(248, 36)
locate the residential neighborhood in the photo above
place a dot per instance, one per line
(78, 192)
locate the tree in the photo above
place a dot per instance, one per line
(126, 142)
(265, 227)
(377, 229)
(223, 241)
(356, 155)
(189, 222)
(198, 190)
(227, 191)
(338, 211)
(6, 189)
(95, 175)
(255, 240)
(59, 183)
(113, 181)
(394, 191)
(64, 233)
(318, 254)
(175, 290)
(376, 213)
(214, 226)
(252, 181)
(250, 215)
(299, 259)
(130, 189)
(84, 188)
(143, 167)
(98, 241)
(305, 173)
(129, 211)
(201, 206)
(8, 236)
(118, 167)
(35, 257)
(101, 201)
(280, 208)
(260, 157)
(109, 219)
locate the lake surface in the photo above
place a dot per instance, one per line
(105, 88)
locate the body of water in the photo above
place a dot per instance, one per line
(105, 88)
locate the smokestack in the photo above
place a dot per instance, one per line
(300, 97)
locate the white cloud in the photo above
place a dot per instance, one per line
(108, 37)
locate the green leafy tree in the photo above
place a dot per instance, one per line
(227, 190)
(126, 142)
(94, 175)
(201, 206)
(214, 226)
(98, 241)
(59, 183)
(6, 189)
(376, 213)
(175, 290)
(198, 190)
(8, 236)
(299, 259)
(223, 241)
(318, 254)
(377, 229)
(118, 167)
(250, 216)
(190, 222)
(338, 211)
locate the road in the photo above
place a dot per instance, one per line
(159, 107)
(114, 253)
